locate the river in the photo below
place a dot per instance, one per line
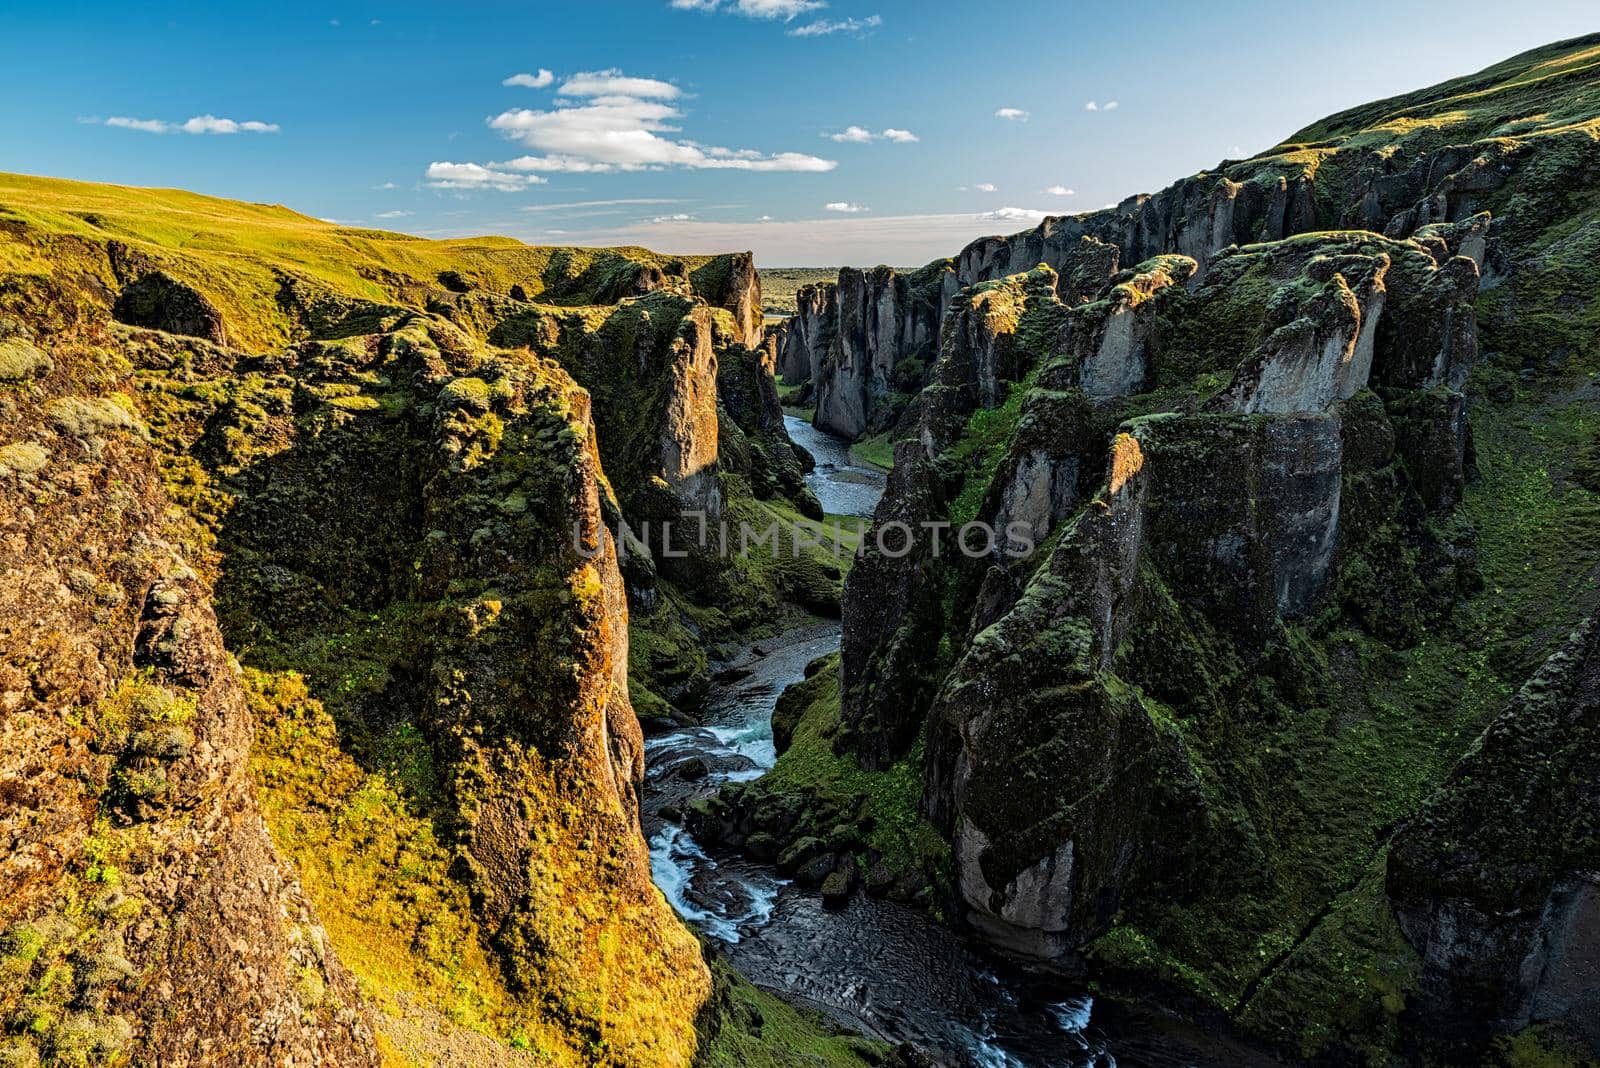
(884, 969)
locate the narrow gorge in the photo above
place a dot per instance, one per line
(1161, 636)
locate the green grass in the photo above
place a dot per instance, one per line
(780, 284)
(755, 1029)
(891, 799)
(234, 252)
(878, 450)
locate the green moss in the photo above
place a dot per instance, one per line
(749, 1028)
(885, 806)
(984, 442)
(366, 850)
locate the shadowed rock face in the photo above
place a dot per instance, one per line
(1098, 707)
(651, 365)
(1073, 747)
(1495, 882)
(1110, 338)
(753, 441)
(847, 338)
(1297, 326)
(160, 302)
(891, 633)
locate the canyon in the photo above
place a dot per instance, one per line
(369, 693)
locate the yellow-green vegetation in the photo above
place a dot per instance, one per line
(366, 850)
(238, 255)
(780, 284)
(57, 970)
(1545, 97)
(753, 1029)
(384, 501)
(788, 557)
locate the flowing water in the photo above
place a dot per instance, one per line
(882, 968)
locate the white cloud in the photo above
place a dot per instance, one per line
(142, 125)
(675, 218)
(860, 135)
(1061, 191)
(755, 9)
(1109, 105)
(983, 187)
(824, 27)
(200, 124)
(386, 185)
(394, 214)
(444, 175)
(614, 83)
(765, 218)
(210, 124)
(575, 205)
(531, 81)
(1012, 114)
(845, 207)
(620, 128)
(1013, 215)
(1091, 106)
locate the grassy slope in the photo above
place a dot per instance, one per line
(232, 251)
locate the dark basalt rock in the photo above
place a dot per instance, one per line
(847, 339)
(158, 301)
(1497, 881)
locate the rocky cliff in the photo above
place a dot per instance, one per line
(366, 526)
(1245, 468)
(1494, 881)
(863, 344)
(146, 915)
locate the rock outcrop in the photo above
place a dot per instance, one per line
(651, 365)
(160, 302)
(730, 282)
(863, 343)
(435, 510)
(1495, 882)
(894, 624)
(145, 916)
(1111, 337)
(1246, 578)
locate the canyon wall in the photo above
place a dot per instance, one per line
(1258, 455)
(863, 344)
(398, 519)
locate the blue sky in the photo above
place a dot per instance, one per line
(859, 131)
